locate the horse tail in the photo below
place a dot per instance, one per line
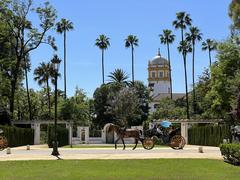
(140, 132)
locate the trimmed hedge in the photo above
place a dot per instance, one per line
(208, 135)
(231, 153)
(62, 136)
(18, 136)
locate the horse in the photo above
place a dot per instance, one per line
(125, 133)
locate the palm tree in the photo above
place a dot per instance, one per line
(131, 41)
(43, 73)
(184, 47)
(183, 20)
(102, 42)
(193, 37)
(209, 45)
(118, 76)
(167, 38)
(62, 27)
(27, 66)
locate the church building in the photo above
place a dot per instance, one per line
(159, 81)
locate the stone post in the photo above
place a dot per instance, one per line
(86, 135)
(103, 136)
(36, 127)
(69, 127)
(184, 131)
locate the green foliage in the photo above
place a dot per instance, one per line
(234, 13)
(124, 106)
(18, 136)
(62, 136)
(76, 109)
(170, 109)
(223, 92)
(208, 135)
(231, 153)
(111, 100)
(24, 37)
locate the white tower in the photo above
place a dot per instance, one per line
(158, 78)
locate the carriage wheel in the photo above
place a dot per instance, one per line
(3, 143)
(148, 143)
(177, 142)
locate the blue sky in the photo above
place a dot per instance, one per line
(117, 19)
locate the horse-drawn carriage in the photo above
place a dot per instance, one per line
(166, 132)
(3, 141)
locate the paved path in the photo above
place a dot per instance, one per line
(43, 153)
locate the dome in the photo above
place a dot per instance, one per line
(158, 60)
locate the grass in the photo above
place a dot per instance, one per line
(119, 169)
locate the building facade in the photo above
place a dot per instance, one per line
(159, 80)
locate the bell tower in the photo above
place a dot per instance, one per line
(158, 75)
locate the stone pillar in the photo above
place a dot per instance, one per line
(70, 133)
(86, 135)
(36, 127)
(184, 131)
(79, 132)
(103, 136)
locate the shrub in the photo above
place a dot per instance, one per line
(18, 136)
(231, 153)
(62, 136)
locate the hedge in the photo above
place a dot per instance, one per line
(209, 135)
(18, 136)
(231, 153)
(62, 136)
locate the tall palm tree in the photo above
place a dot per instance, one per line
(167, 38)
(184, 48)
(118, 76)
(43, 73)
(209, 45)
(102, 42)
(62, 27)
(27, 66)
(183, 20)
(193, 37)
(131, 41)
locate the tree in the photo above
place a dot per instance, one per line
(167, 38)
(43, 73)
(76, 109)
(167, 108)
(26, 70)
(131, 41)
(209, 45)
(124, 106)
(103, 42)
(26, 37)
(234, 13)
(119, 77)
(225, 75)
(183, 20)
(142, 93)
(62, 27)
(101, 104)
(193, 37)
(184, 47)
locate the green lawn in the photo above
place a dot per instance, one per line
(119, 169)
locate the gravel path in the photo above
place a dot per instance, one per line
(43, 153)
